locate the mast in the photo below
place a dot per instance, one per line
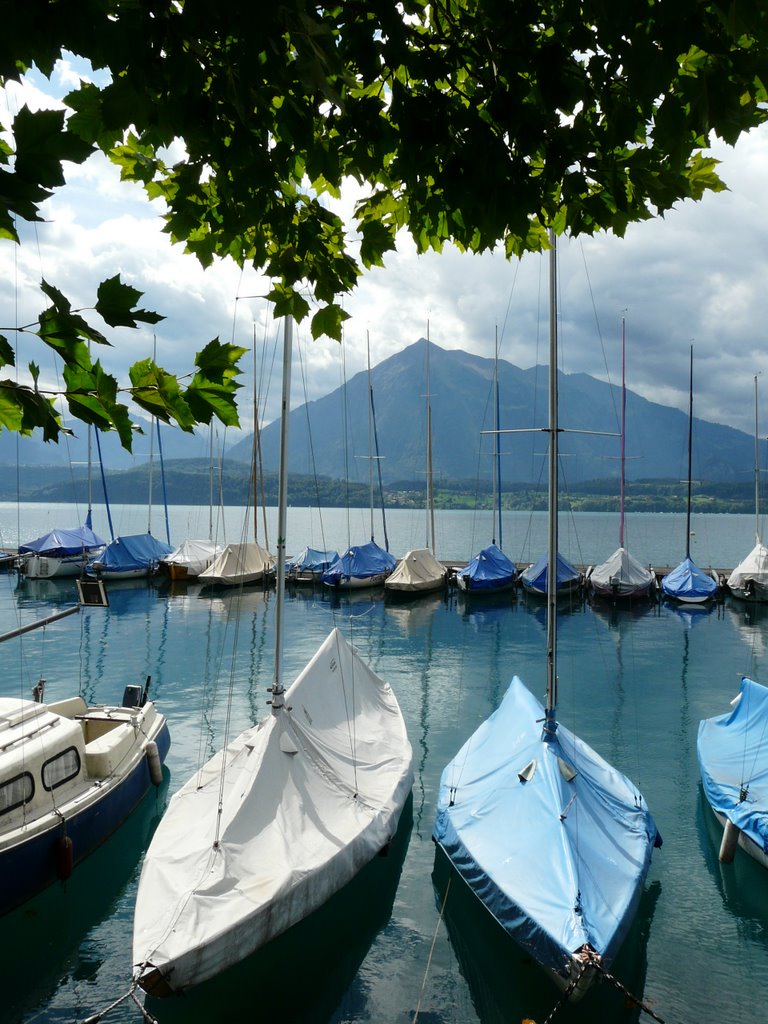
(623, 432)
(550, 724)
(497, 463)
(282, 516)
(370, 429)
(757, 473)
(430, 489)
(690, 447)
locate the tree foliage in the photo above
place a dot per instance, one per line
(479, 122)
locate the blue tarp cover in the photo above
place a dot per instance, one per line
(688, 582)
(733, 752)
(312, 560)
(489, 569)
(535, 576)
(558, 863)
(360, 562)
(60, 543)
(141, 551)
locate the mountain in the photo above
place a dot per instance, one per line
(462, 403)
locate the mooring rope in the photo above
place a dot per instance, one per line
(417, 1011)
(594, 961)
(130, 994)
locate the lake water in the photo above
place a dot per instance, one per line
(634, 683)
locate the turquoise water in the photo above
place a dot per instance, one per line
(633, 682)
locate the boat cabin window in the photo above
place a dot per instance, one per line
(60, 769)
(16, 792)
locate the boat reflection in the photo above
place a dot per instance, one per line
(506, 984)
(329, 945)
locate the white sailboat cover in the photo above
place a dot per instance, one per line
(754, 568)
(239, 563)
(417, 570)
(194, 555)
(621, 574)
(553, 840)
(308, 796)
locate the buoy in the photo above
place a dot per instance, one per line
(729, 842)
(154, 763)
(64, 857)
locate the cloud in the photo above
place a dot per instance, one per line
(696, 275)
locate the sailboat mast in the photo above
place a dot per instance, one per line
(282, 517)
(623, 431)
(430, 490)
(690, 469)
(370, 429)
(550, 725)
(757, 473)
(497, 466)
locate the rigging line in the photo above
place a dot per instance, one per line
(310, 441)
(428, 966)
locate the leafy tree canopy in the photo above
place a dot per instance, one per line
(480, 122)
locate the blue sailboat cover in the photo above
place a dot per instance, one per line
(360, 562)
(140, 551)
(559, 861)
(688, 582)
(490, 569)
(536, 575)
(312, 560)
(60, 543)
(733, 756)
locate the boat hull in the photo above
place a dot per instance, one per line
(37, 859)
(45, 567)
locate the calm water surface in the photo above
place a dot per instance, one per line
(393, 947)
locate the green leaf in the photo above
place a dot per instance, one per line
(115, 303)
(328, 321)
(7, 355)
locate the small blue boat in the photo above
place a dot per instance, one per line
(366, 565)
(534, 578)
(129, 557)
(309, 565)
(689, 584)
(60, 553)
(489, 572)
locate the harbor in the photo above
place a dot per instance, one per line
(635, 681)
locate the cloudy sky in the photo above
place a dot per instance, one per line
(698, 276)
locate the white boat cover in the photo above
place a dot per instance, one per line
(239, 563)
(417, 570)
(194, 555)
(752, 570)
(621, 575)
(308, 796)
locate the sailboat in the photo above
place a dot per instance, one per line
(418, 571)
(192, 557)
(279, 819)
(733, 759)
(364, 565)
(621, 576)
(62, 553)
(687, 582)
(491, 571)
(131, 556)
(553, 841)
(749, 580)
